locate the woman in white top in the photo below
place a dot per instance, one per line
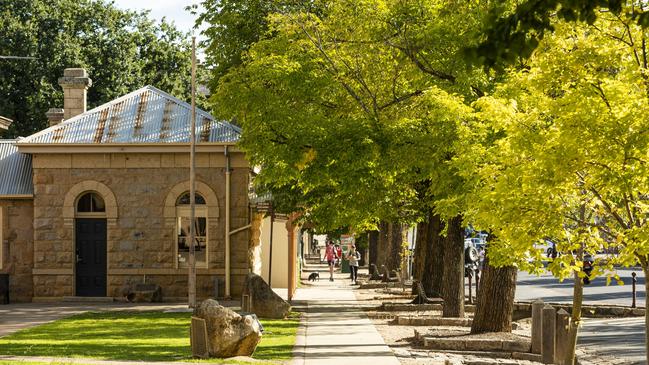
(353, 256)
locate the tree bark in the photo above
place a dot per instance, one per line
(393, 261)
(372, 245)
(382, 244)
(573, 330)
(495, 299)
(453, 277)
(433, 273)
(421, 247)
(577, 298)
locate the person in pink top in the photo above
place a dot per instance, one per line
(339, 255)
(330, 256)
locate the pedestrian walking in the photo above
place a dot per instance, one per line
(330, 256)
(353, 257)
(339, 255)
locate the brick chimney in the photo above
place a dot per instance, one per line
(55, 116)
(75, 83)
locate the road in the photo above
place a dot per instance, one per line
(614, 340)
(548, 288)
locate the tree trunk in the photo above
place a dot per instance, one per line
(373, 246)
(421, 247)
(495, 302)
(433, 273)
(382, 244)
(393, 261)
(573, 330)
(577, 299)
(453, 277)
(403, 254)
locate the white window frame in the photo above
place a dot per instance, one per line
(200, 212)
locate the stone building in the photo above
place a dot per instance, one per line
(98, 202)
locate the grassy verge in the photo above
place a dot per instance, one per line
(141, 336)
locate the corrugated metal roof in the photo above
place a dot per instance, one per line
(147, 115)
(15, 170)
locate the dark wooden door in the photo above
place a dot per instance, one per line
(91, 257)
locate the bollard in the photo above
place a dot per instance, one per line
(470, 287)
(477, 281)
(537, 326)
(562, 336)
(246, 303)
(633, 281)
(548, 347)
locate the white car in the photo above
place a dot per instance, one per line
(477, 242)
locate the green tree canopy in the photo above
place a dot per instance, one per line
(353, 106)
(122, 51)
(233, 26)
(516, 33)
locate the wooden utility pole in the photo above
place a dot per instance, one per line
(191, 287)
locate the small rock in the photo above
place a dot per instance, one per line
(228, 333)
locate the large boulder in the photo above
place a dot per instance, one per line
(264, 302)
(228, 333)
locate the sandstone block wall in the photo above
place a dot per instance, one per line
(141, 240)
(17, 247)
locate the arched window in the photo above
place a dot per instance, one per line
(183, 226)
(185, 199)
(90, 203)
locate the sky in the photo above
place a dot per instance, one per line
(173, 10)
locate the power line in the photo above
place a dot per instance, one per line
(17, 58)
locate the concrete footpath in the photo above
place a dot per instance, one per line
(334, 329)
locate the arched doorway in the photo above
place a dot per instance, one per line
(90, 245)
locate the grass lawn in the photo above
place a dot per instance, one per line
(143, 336)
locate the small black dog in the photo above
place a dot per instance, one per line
(314, 276)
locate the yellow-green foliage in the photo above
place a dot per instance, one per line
(571, 160)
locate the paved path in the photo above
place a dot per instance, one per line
(335, 330)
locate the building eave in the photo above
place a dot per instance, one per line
(17, 197)
(34, 148)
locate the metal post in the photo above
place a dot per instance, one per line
(191, 287)
(470, 287)
(633, 282)
(477, 282)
